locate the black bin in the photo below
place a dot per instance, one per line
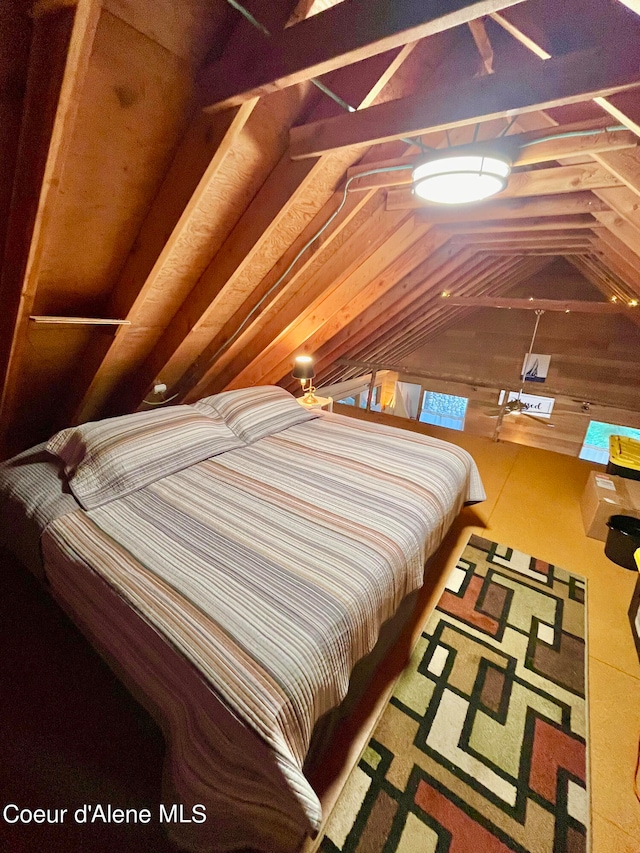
(623, 540)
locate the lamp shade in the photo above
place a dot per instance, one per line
(460, 178)
(303, 368)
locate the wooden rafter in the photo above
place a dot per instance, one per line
(466, 273)
(348, 266)
(534, 224)
(349, 32)
(531, 304)
(481, 274)
(568, 79)
(440, 320)
(536, 43)
(439, 264)
(369, 282)
(146, 305)
(542, 207)
(561, 179)
(483, 44)
(27, 238)
(553, 149)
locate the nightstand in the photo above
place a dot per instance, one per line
(320, 403)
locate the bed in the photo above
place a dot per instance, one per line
(237, 562)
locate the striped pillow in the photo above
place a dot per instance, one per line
(253, 413)
(111, 458)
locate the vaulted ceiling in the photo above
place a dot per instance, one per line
(180, 200)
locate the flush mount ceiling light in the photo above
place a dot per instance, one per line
(461, 175)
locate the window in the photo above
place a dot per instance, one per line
(360, 400)
(541, 407)
(443, 410)
(595, 447)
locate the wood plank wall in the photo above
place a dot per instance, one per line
(595, 356)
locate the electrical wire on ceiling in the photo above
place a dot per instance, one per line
(569, 133)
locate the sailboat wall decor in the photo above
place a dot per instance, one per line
(535, 367)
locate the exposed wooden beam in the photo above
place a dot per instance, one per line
(606, 281)
(564, 305)
(488, 237)
(568, 79)
(539, 224)
(481, 274)
(616, 105)
(483, 43)
(551, 251)
(368, 282)
(561, 179)
(591, 267)
(288, 199)
(617, 265)
(623, 202)
(625, 234)
(544, 207)
(624, 165)
(534, 45)
(27, 237)
(400, 298)
(349, 32)
(538, 152)
(142, 294)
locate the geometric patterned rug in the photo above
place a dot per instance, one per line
(482, 747)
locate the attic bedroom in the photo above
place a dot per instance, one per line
(319, 426)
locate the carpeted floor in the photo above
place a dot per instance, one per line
(70, 733)
(483, 745)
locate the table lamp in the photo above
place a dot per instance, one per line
(303, 370)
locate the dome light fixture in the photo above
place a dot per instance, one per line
(461, 175)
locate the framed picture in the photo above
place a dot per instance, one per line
(535, 367)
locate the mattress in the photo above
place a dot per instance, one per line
(263, 575)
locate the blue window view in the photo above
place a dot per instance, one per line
(595, 447)
(348, 401)
(443, 410)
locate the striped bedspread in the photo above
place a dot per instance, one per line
(272, 567)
